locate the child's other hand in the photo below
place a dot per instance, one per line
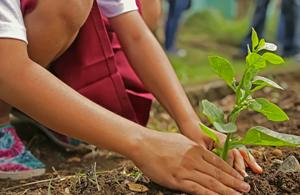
(177, 162)
(237, 158)
(241, 158)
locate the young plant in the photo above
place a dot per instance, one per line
(258, 56)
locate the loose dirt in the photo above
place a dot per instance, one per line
(77, 173)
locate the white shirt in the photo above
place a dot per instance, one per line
(12, 24)
(112, 8)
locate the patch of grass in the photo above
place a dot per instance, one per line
(210, 23)
(194, 67)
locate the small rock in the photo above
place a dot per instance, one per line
(137, 187)
(126, 181)
(74, 160)
(67, 191)
(267, 90)
(256, 153)
(277, 161)
(284, 85)
(276, 152)
(291, 164)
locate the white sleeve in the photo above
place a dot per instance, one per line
(11, 20)
(112, 8)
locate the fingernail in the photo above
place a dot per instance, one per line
(245, 187)
(260, 169)
(245, 174)
(237, 193)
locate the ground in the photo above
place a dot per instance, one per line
(109, 173)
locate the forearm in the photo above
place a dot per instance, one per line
(38, 93)
(152, 66)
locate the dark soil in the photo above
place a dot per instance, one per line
(75, 173)
(271, 181)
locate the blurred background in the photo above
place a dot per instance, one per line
(191, 30)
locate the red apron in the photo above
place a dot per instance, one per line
(96, 67)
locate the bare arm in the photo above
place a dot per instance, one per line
(166, 158)
(37, 92)
(153, 67)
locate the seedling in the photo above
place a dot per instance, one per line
(259, 55)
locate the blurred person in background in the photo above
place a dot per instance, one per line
(243, 7)
(258, 23)
(288, 27)
(176, 8)
(289, 37)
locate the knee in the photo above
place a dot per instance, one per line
(76, 14)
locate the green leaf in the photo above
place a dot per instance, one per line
(240, 94)
(236, 144)
(270, 110)
(225, 128)
(254, 105)
(261, 136)
(223, 68)
(261, 82)
(212, 112)
(254, 39)
(261, 44)
(210, 133)
(248, 77)
(248, 49)
(257, 61)
(273, 58)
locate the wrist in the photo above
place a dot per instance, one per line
(188, 123)
(190, 128)
(144, 145)
(136, 144)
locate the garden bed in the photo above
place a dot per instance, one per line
(113, 174)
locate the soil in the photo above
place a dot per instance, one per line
(103, 172)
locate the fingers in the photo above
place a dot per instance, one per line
(218, 177)
(230, 158)
(211, 183)
(239, 163)
(219, 163)
(195, 188)
(250, 160)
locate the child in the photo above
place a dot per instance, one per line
(172, 160)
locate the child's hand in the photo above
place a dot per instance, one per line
(241, 158)
(175, 161)
(238, 159)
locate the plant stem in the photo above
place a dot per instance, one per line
(231, 118)
(226, 147)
